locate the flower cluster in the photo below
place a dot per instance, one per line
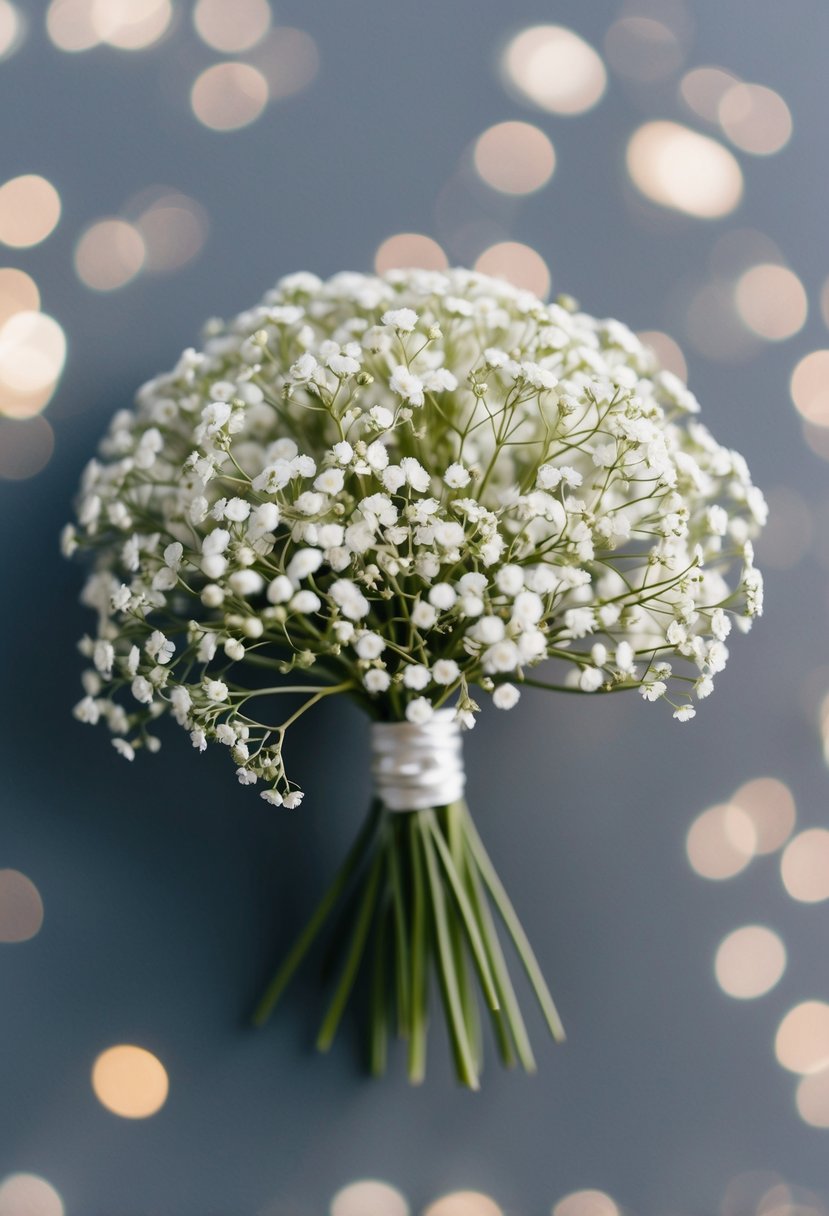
(404, 488)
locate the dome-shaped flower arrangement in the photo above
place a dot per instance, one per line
(414, 490)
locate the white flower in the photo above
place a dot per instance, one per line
(103, 656)
(445, 671)
(370, 646)
(591, 679)
(416, 676)
(403, 319)
(160, 648)
(272, 796)
(684, 713)
(503, 656)
(280, 589)
(376, 680)
(303, 563)
(123, 748)
(293, 799)
(216, 690)
(653, 690)
(505, 696)
(443, 596)
(142, 690)
(419, 711)
(407, 385)
(246, 776)
(199, 740)
(330, 481)
(88, 710)
(456, 476)
(415, 474)
(423, 615)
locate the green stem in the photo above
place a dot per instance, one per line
(516, 932)
(462, 1048)
(355, 954)
(283, 976)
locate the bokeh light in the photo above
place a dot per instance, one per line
(514, 157)
(288, 59)
(804, 866)
(228, 96)
(26, 447)
(69, 25)
(405, 250)
(130, 25)
(702, 90)
(18, 293)
(586, 1203)
(789, 532)
(518, 264)
(770, 806)
(745, 1192)
(369, 1197)
(32, 352)
(29, 1195)
(810, 387)
(812, 1100)
(11, 29)
(738, 249)
(802, 1040)
(130, 1081)
(721, 842)
(21, 908)
(555, 68)
(464, 1203)
(173, 228)
(232, 27)
(643, 49)
(749, 962)
(29, 210)
(679, 168)
(667, 350)
(109, 254)
(755, 119)
(772, 301)
(713, 326)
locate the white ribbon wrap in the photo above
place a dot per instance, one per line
(418, 766)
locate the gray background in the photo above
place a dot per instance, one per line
(169, 891)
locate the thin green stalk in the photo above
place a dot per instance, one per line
(324, 909)
(464, 1058)
(402, 968)
(465, 909)
(354, 957)
(419, 1008)
(379, 1026)
(453, 834)
(507, 1020)
(516, 932)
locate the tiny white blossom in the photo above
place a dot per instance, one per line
(505, 696)
(419, 711)
(445, 671)
(403, 319)
(376, 680)
(123, 748)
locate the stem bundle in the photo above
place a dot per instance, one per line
(416, 897)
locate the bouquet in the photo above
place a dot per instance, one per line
(413, 490)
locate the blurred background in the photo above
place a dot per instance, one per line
(665, 162)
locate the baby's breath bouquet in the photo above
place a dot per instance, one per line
(413, 490)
